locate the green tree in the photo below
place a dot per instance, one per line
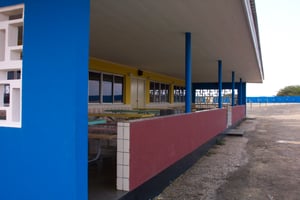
(292, 90)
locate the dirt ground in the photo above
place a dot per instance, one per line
(263, 164)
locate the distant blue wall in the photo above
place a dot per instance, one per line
(275, 99)
(47, 158)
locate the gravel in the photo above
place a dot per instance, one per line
(203, 179)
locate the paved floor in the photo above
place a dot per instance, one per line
(263, 164)
(102, 180)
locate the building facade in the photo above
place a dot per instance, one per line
(61, 60)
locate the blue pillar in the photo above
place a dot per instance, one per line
(233, 87)
(240, 92)
(245, 97)
(188, 73)
(51, 160)
(244, 94)
(220, 82)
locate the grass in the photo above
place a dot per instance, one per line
(220, 141)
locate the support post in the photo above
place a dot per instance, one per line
(188, 72)
(220, 82)
(244, 93)
(240, 92)
(245, 97)
(232, 88)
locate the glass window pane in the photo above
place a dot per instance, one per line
(152, 89)
(107, 88)
(94, 87)
(118, 89)
(167, 93)
(12, 75)
(175, 94)
(157, 92)
(19, 74)
(6, 96)
(162, 92)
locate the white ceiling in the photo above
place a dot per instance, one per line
(149, 35)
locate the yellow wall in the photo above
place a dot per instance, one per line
(128, 72)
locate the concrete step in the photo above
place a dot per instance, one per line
(235, 132)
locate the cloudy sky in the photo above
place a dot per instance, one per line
(279, 29)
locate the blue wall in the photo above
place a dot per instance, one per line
(47, 158)
(275, 99)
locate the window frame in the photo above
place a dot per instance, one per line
(179, 94)
(101, 86)
(160, 93)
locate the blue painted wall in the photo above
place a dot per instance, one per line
(47, 158)
(275, 99)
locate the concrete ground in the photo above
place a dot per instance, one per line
(263, 164)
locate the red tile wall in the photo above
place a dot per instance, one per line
(157, 143)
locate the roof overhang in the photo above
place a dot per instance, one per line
(150, 35)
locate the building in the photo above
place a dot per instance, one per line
(62, 60)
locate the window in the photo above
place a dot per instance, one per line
(105, 88)
(152, 90)
(179, 94)
(164, 92)
(94, 87)
(159, 92)
(11, 75)
(118, 89)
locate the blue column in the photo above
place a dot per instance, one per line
(233, 87)
(240, 92)
(244, 94)
(188, 73)
(220, 82)
(52, 155)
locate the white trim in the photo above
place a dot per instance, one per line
(254, 34)
(10, 8)
(123, 156)
(11, 60)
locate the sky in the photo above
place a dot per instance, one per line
(279, 31)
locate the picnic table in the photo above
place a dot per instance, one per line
(96, 122)
(99, 136)
(102, 130)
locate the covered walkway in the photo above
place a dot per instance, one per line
(62, 61)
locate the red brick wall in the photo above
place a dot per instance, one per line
(157, 143)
